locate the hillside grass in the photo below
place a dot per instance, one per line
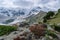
(4, 30)
(55, 20)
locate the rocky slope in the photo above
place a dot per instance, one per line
(36, 18)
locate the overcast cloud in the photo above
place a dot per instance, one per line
(44, 4)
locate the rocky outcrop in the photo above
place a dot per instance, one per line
(38, 29)
(24, 36)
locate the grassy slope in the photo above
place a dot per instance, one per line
(55, 20)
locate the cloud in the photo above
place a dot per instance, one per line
(53, 5)
(24, 4)
(44, 4)
(49, 4)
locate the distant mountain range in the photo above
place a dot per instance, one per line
(9, 13)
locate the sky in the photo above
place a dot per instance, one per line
(44, 4)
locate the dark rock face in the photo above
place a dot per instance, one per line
(23, 24)
(1, 39)
(18, 38)
(38, 29)
(24, 36)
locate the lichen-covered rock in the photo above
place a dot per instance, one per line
(38, 29)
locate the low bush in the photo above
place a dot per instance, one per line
(6, 29)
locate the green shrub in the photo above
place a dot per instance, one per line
(51, 33)
(6, 29)
(58, 10)
(44, 20)
(57, 28)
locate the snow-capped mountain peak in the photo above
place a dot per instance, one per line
(18, 13)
